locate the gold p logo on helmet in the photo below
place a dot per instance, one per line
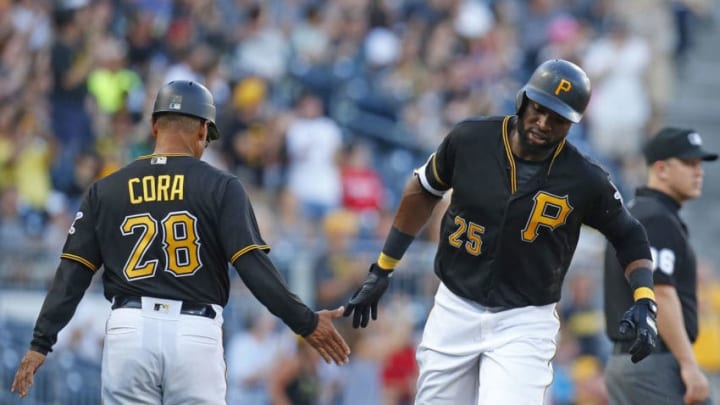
(563, 85)
(559, 85)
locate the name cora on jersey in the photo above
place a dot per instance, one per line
(156, 188)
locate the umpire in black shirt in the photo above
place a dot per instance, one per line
(671, 375)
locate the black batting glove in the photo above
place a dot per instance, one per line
(365, 300)
(639, 323)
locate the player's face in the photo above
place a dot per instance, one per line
(540, 129)
(684, 178)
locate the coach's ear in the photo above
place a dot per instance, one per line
(153, 125)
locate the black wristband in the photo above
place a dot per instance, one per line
(641, 283)
(396, 244)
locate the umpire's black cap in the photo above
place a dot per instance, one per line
(678, 143)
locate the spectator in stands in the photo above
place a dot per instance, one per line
(251, 357)
(618, 114)
(295, 379)
(337, 267)
(362, 187)
(313, 142)
(72, 59)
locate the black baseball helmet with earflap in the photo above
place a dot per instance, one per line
(188, 98)
(560, 86)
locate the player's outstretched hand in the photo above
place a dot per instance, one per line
(365, 300)
(29, 365)
(326, 339)
(639, 323)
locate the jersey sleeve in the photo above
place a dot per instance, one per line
(608, 203)
(435, 176)
(82, 244)
(665, 241)
(238, 226)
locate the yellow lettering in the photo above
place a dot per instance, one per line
(564, 85)
(163, 184)
(549, 211)
(133, 198)
(160, 188)
(148, 183)
(178, 186)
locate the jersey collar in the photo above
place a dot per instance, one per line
(665, 199)
(511, 157)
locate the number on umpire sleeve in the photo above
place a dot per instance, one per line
(663, 260)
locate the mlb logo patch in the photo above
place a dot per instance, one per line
(175, 103)
(694, 139)
(158, 160)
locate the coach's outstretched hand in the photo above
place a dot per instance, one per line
(365, 300)
(29, 365)
(326, 339)
(639, 322)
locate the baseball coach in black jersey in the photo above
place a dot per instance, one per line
(520, 194)
(671, 375)
(164, 228)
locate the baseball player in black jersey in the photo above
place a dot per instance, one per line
(671, 375)
(164, 228)
(520, 194)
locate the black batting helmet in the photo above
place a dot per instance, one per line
(188, 98)
(560, 86)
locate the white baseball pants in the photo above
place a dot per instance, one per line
(470, 354)
(155, 355)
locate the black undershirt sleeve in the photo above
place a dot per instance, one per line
(265, 282)
(71, 281)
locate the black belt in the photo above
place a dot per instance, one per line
(624, 347)
(188, 308)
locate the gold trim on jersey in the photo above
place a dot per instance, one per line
(557, 152)
(80, 260)
(509, 154)
(162, 154)
(435, 172)
(511, 157)
(247, 249)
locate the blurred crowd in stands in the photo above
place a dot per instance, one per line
(324, 109)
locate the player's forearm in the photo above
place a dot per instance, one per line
(415, 208)
(71, 281)
(264, 281)
(671, 325)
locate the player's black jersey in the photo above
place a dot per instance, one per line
(674, 261)
(508, 245)
(165, 226)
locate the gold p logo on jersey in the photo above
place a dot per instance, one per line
(564, 86)
(549, 211)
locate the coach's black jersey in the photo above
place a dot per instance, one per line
(674, 261)
(505, 244)
(165, 226)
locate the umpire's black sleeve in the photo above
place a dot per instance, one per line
(264, 281)
(628, 237)
(71, 281)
